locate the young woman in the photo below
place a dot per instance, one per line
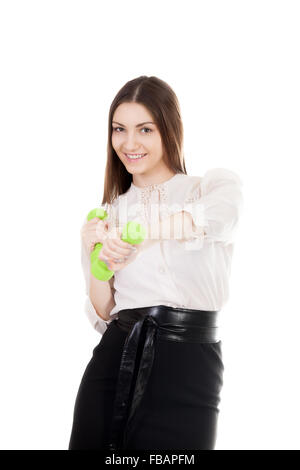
(155, 378)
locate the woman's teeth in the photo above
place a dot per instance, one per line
(135, 157)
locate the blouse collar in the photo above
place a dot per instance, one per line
(151, 187)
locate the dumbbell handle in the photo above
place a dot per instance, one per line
(133, 233)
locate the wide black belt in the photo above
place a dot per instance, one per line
(143, 326)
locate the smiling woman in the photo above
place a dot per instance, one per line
(155, 378)
(141, 153)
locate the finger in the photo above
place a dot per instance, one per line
(119, 249)
(129, 257)
(90, 230)
(114, 266)
(93, 221)
(122, 243)
(130, 248)
(110, 255)
(93, 225)
(107, 254)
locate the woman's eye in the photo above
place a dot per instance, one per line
(116, 129)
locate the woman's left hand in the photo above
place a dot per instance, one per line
(115, 252)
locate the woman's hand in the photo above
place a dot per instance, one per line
(92, 232)
(115, 252)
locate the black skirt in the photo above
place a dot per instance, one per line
(153, 383)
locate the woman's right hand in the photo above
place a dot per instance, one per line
(115, 252)
(92, 232)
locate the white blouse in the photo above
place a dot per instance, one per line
(191, 274)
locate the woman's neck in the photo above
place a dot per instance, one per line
(142, 181)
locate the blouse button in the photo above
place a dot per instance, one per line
(161, 269)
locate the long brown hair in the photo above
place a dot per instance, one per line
(161, 101)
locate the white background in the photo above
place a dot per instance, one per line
(234, 66)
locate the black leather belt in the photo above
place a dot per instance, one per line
(143, 326)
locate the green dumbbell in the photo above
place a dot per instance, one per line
(133, 233)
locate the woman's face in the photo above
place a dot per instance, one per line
(134, 132)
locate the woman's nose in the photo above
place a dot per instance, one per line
(131, 141)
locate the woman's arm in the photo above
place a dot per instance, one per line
(178, 226)
(101, 296)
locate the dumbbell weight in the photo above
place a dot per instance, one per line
(133, 233)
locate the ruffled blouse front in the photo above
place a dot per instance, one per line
(191, 274)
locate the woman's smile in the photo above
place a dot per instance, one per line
(135, 158)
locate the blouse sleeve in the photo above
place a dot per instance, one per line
(98, 323)
(215, 202)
